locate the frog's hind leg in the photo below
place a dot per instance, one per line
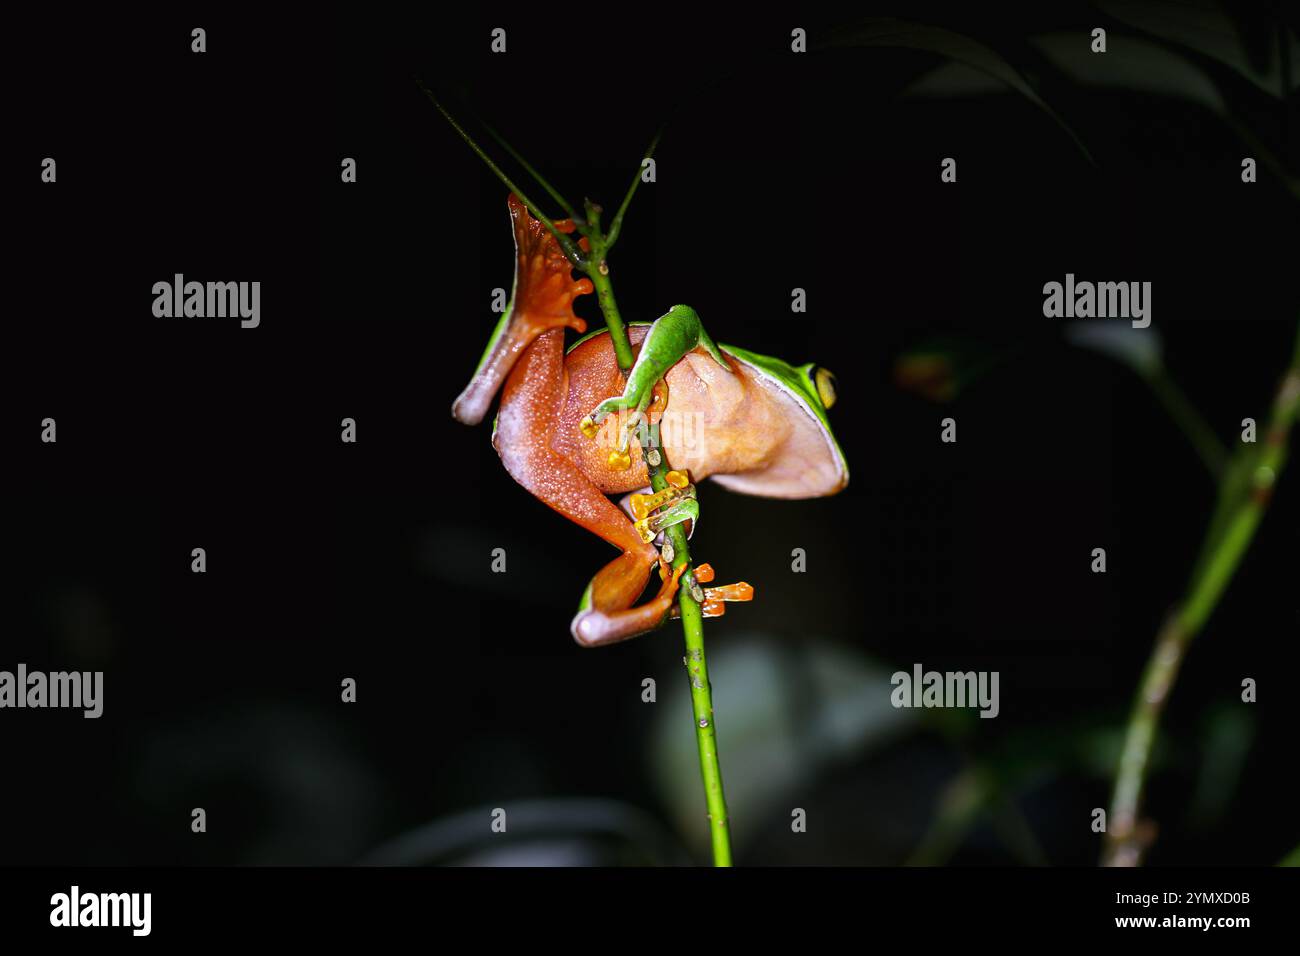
(536, 387)
(605, 614)
(544, 291)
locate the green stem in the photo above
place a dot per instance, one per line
(1125, 840)
(595, 266)
(608, 307)
(697, 669)
(692, 616)
(528, 168)
(616, 226)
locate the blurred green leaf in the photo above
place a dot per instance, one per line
(1132, 63)
(890, 32)
(1226, 739)
(1209, 28)
(1140, 349)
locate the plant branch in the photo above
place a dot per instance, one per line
(697, 667)
(692, 615)
(1228, 539)
(609, 308)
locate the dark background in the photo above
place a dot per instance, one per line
(372, 560)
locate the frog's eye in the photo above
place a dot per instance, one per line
(825, 380)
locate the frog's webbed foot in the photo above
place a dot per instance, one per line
(716, 598)
(625, 425)
(638, 504)
(544, 290)
(653, 513)
(606, 614)
(673, 334)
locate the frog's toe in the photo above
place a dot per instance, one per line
(685, 509)
(716, 598)
(599, 622)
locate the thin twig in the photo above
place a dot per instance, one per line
(616, 226)
(597, 269)
(528, 167)
(571, 250)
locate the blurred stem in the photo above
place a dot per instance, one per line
(976, 792)
(959, 806)
(1125, 840)
(1184, 413)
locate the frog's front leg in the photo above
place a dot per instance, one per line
(675, 333)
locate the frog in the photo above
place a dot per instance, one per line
(568, 418)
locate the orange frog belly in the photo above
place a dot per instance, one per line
(715, 423)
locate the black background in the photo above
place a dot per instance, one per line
(372, 560)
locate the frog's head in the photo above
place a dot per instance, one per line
(812, 464)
